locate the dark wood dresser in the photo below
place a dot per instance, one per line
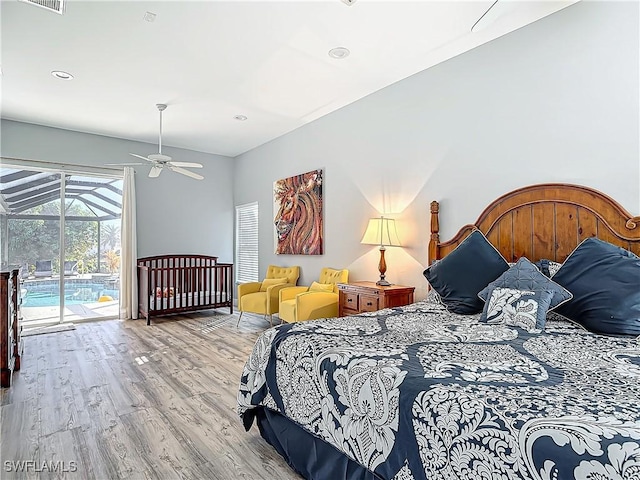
(10, 328)
(358, 297)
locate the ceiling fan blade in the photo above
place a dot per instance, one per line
(186, 164)
(155, 171)
(140, 156)
(185, 172)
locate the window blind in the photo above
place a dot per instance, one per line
(247, 243)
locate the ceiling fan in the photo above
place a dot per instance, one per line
(159, 161)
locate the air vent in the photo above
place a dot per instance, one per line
(56, 6)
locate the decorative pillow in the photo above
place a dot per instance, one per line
(525, 278)
(605, 282)
(524, 275)
(548, 267)
(459, 276)
(553, 268)
(556, 317)
(321, 287)
(521, 308)
(267, 282)
(433, 297)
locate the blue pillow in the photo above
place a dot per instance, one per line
(525, 276)
(605, 282)
(459, 276)
(526, 309)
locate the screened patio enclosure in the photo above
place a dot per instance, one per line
(63, 230)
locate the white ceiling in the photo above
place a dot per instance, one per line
(212, 60)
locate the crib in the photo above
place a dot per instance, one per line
(169, 284)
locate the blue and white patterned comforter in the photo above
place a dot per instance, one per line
(417, 392)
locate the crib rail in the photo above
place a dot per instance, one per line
(169, 284)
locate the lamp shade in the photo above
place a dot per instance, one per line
(381, 231)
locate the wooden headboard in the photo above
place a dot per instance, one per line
(545, 221)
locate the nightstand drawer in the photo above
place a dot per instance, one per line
(368, 303)
(349, 300)
(358, 297)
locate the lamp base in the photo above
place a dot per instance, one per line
(382, 268)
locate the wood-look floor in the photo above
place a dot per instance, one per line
(82, 401)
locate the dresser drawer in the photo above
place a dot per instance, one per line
(10, 345)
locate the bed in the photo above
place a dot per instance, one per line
(424, 392)
(169, 284)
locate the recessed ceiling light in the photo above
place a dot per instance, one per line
(149, 17)
(62, 75)
(339, 52)
(240, 118)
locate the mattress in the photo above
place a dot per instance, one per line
(186, 300)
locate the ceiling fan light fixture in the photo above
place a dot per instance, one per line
(339, 53)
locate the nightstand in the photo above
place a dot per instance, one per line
(358, 297)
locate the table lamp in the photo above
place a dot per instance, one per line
(381, 231)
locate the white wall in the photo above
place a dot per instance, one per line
(175, 214)
(556, 101)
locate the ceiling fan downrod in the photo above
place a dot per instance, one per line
(161, 107)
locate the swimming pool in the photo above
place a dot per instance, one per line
(46, 293)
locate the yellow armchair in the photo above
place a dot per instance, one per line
(320, 300)
(263, 297)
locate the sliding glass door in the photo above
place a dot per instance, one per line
(69, 256)
(32, 203)
(93, 207)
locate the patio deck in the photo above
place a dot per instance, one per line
(38, 316)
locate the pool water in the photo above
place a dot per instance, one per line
(74, 295)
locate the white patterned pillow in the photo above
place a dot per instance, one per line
(553, 268)
(519, 308)
(547, 267)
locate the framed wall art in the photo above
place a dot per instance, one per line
(298, 205)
